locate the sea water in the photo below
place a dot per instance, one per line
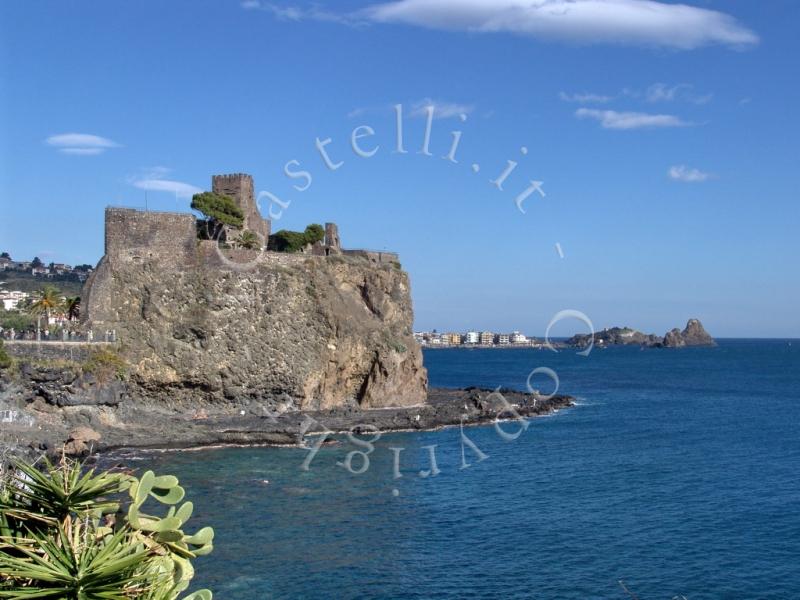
(677, 474)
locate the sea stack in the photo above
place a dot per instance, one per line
(693, 335)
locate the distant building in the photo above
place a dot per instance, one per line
(454, 338)
(472, 337)
(487, 338)
(502, 339)
(12, 299)
(518, 338)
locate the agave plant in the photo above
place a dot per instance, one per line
(64, 534)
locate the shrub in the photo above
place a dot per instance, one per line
(105, 365)
(5, 359)
(294, 241)
(66, 534)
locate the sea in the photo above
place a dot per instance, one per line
(675, 476)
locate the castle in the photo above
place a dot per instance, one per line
(133, 235)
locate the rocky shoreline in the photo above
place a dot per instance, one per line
(53, 413)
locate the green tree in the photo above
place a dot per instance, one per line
(72, 307)
(219, 211)
(15, 320)
(71, 534)
(36, 262)
(46, 302)
(5, 255)
(314, 233)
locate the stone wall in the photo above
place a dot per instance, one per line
(135, 236)
(375, 257)
(77, 351)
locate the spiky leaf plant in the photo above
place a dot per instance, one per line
(64, 534)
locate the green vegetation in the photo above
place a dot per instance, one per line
(5, 359)
(248, 240)
(71, 534)
(72, 307)
(16, 320)
(294, 241)
(219, 211)
(105, 365)
(46, 302)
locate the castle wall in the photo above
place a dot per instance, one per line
(134, 236)
(375, 256)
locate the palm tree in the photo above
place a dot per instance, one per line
(47, 301)
(73, 307)
(248, 240)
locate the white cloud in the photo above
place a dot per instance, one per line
(83, 144)
(585, 98)
(180, 189)
(295, 13)
(633, 22)
(688, 175)
(153, 180)
(612, 119)
(441, 109)
(661, 92)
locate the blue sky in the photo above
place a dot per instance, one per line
(665, 135)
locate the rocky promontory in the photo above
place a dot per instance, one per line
(308, 332)
(57, 406)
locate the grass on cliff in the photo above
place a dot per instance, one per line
(105, 365)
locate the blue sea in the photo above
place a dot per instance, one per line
(676, 475)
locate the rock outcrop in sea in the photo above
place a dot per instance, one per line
(693, 335)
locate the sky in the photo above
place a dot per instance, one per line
(655, 144)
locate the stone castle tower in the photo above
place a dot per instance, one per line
(239, 186)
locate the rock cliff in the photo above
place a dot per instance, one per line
(304, 332)
(693, 335)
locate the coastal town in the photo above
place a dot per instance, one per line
(476, 339)
(39, 301)
(38, 268)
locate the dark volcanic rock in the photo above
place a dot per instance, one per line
(693, 335)
(616, 336)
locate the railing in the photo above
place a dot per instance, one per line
(89, 337)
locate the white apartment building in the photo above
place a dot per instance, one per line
(11, 299)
